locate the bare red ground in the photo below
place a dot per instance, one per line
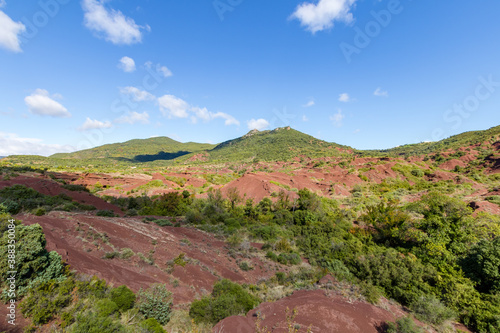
(317, 309)
(48, 186)
(78, 239)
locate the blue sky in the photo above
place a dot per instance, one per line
(364, 73)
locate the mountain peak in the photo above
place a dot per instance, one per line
(252, 132)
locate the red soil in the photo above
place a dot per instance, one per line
(48, 186)
(317, 309)
(83, 240)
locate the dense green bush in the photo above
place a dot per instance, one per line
(227, 299)
(105, 307)
(105, 213)
(19, 197)
(289, 259)
(482, 265)
(155, 302)
(92, 323)
(151, 325)
(123, 297)
(430, 310)
(34, 264)
(45, 300)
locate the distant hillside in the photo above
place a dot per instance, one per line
(278, 144)
(139, 150)
(465, 139)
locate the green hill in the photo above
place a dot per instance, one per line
(454, 142)
(276, 145)
(139, 150)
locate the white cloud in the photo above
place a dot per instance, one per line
(205, 115)
(137, 94)
(173, 107)
(127, 64)
(344, 98)
(90, 124)
(2, 3)
(133, 118)
(163, 70)
(381, 93)
(41, 103)
(111, 24)
(304, 118)
(356, 131)
(12, 144)
(258, 124)
(9, 32)
(308, 104)
(320, 16)
(337, 118)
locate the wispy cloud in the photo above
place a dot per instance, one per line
(133, 118)
(337, 118)
(41, 103)
(162, 70)
(174, 107)
(344, 98)
(381, 93)
(205, 115)
(111, 24)
(322, 15)
(309, 104)
(12, 144)
(258, 124)
(137, 94)
(91, 124)
(10, 32)
(127, 64)
(304, 118)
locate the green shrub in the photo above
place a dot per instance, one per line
(34, 264)
(482, 265)
(105, 213)
(403, 325)
(289, 259)
(123, 297)
(163, 223)
(77, 188)
(417, 173)
(92, 323)
(281, 277)
(105, 307)
(429, 309)
(271, 255)
(155, 302)
(111, 255)
(227, 299)
(94, 287)
(40, 211)
(151, 325)
(126, 253)
(45, 300)
(244, 266)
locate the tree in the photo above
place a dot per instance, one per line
(233, 195)
(482, 265)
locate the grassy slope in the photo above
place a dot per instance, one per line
(454, 142)
(133, 148)
(275, 145)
